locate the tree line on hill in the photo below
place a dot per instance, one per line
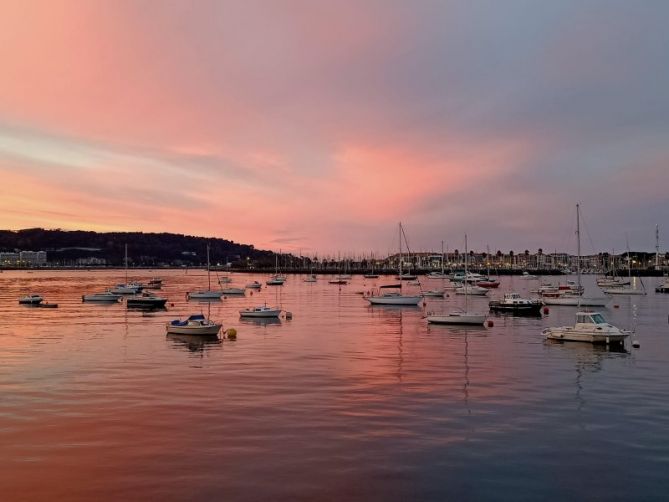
(144, 249)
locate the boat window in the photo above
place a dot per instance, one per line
(598, 319)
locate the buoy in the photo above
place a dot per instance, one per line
(546, 310)
(636, 344)
(171, 304)
(251, 293)
(225, 297)
(490, 323)
(616, 306)
(231, 333)
(289, 315)
(424, 304)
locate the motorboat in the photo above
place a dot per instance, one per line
(457, 317)
(590, 327)
(233, 291)
(262, 311)
(471, 289)
(195, 325)
(488, 283)
(663, 288)
(32, 299)
(254, 285)
(146, 300)
(106, 297)
(516, 304)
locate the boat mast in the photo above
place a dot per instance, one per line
(126, 263)
(657, 247)
(466, 285)
(400, 266)
(208, 270)
(442, 259)
(578, 245)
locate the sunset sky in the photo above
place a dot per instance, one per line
(319, 125)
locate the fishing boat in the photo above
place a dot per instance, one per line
(196, 324)
(254, 285)
(516, 304)
(32, 299)
(127, 288)
(460, 316)
(146, 301)
(262, 311)
(590, 327)
(207, 294)
(394, 297)
(106, 297)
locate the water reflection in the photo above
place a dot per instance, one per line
(260, 321)
(194, 343)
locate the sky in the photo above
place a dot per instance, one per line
(316, 127)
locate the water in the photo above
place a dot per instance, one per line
(343, 402)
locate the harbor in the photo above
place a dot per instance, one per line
(342, 389)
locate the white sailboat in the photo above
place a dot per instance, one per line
(626, 289)
(459, 316)
(277, 279)
(126, 288)
(394, 298)
(573, 297)
(207, 294)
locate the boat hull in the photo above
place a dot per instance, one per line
(260, 315)
(154, 303)
(568, 334)
(100, 298)
(457, 318)
(527, 309)
(574, 301)
(394, 300)
(212, 330)
(624, 291)
(205, 295)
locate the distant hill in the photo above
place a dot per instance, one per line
(144, 249)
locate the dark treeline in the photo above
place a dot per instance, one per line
(144, 249)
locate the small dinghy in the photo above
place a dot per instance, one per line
(196, 324)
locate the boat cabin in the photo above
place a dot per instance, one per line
(590, 318)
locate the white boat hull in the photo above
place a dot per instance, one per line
(624, 291)
(394, 300)
(205, 295)
(472, 291)
(260, 315)
(194, 330)
(575, 301)
(569, 334)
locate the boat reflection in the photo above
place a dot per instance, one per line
(260, 321)
(194, 343)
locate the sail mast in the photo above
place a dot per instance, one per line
(208, 270)
(442, 259)
(126, 263)
(400, 235)
(578, 245)
(466, 283)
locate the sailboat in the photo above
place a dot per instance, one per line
(371, 274)
(573, 297)
(126, 289)
(441, 274)
(626, 289)
(277, 279)
(311, 277)
(394, 298)
(208, 294)
(612, 281)
(459, 316)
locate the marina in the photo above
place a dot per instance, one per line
(341, 385)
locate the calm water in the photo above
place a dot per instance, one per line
(343, 402)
